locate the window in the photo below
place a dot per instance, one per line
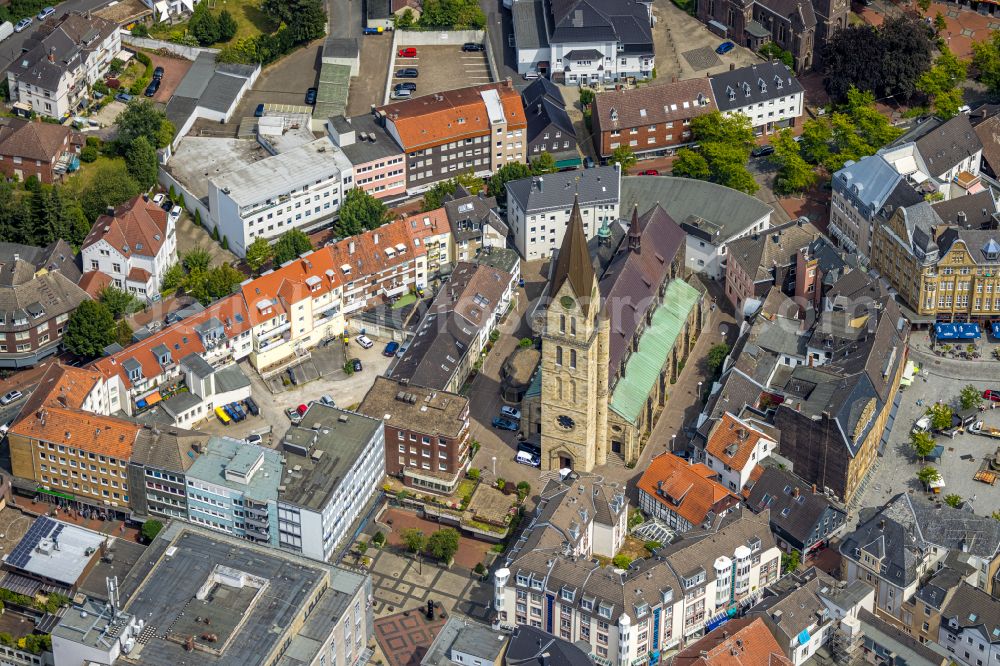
(559, 356)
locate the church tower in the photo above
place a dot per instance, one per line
(574, 401)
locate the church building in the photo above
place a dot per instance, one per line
(617, 325)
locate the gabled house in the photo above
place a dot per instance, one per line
(768, 94)
(43, 150)
(970, 627)
(735, 447)
(685, 496)
(134, 245)
(550, 129)
(802, 519)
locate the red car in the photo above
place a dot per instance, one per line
(301, 409)
(408, 52)
(649, 172)
(993, 396)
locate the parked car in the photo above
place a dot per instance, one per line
(649, 172)
(407, 52)
(407, 73)
(372, 31)
(45, 13)
(158, 198)
(259, 111)
(230, 413)
(175, 213)
(988, 394)
(158, 73)
(504, 424)
(528, 76)
(252, 406)
(401, 94)
(302, 409)
(167, 205)
(327, 400)
(724, 48)
(356, 364)
(22, 25)
(762, 151)
(10, 397)
(291, 377)
(402, 349)
(390, 349)
(240, 414)
(471, 47)
(588, 162)
(151, 89)
(123, 97)
(525, 458)
(293, 414)
(364, 341)
(254, 439)
(510, 412)
(530, 447)
(311, 96)
(408, 85)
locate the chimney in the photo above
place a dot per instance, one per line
(795, 492)
(52, 54)
(110, 211)
(881, 524)
(814, 489)
(962, 219)
(540, 183)
(538, 110)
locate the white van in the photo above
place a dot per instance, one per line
(526, 458)
(923, 424)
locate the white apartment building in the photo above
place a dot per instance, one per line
(331, 475)
(734, 448)
(538, 208)
(655, 605)
(766, 93)
(970, 627)
(300, 188)
(53, 78)
(134, 245)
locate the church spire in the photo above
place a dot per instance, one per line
(634, 235)
(573, 261)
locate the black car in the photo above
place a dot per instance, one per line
(167, 204)
(412, 87)
(157, 73)
(472, 46)
(530, 447)
(151, 89)
(311, 96)
(356, 364)
(762, 151)
(408, 73)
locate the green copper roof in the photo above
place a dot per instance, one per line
(605, 230)
(643, 367)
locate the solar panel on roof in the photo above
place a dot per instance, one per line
(40, 529)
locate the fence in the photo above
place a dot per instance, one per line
(188, 52)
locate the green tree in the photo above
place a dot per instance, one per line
(473, 473)
(119, 302)
(953, 500)
(359, 212)
(414, 539)
(716, 357)
(970, 397)
(435, 197)
(204, 25)
(725, 143)
(222, 280)
(173, 278)
(690, 164)
(922, 444)
(123, 333)
(443, 544)
(150, 529)
(790, 561)
(305, 19)
(91, 328)
(924, 5)
(772, 51)
(794, 173)
(621, 561)
(455, 14)
(140, 118)
(110, 185)
(623, 156)
(940, 84)
(928, 475)
(196, 259)
(940, 22)
(543, 164)
(815, 140)
(472, 183)
(258, 253)
(293, 243)
(586, 97)
(508, 172)
(140, 161)
(940, 414)
(404, 21)
(227, 26)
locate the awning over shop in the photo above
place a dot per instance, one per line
(995, 329)
(963, 331)
(571, 162)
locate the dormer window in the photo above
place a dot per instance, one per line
(701, 100)
(731, 92)
(614, 113)
(777, 82)
(746, 89)
(762, 85)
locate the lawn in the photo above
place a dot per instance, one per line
(250, 19)
(79, 182)
(404, 300)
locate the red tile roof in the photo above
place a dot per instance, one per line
(693, 490)
(431, 223)
(33, 140)
(741, 642)
(732, 441)
(62, 386)
(451, 115)
(180, 338)
(104, 435)
(139, 227)
(365, 254)
(94, 281)
(271, 294)
(139, 275)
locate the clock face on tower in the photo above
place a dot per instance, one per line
(565, 422)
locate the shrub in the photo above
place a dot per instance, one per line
(621, 561)
(348, 368)
(140, 30)
(525, 343)
(100, 87)
(89, 154)
(479, 569)
(501, 483)
(473, 473)
(197, 216)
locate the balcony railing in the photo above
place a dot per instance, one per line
(270, 333)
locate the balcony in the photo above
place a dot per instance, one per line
(328, 310)
(261, 525)
(270, 333)
(394, 290)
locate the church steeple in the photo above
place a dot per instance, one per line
(573, 262)
(634, 234)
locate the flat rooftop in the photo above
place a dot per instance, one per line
(199, 159)
(55, 550)
(251, 595)
(225, 453)
(411, 407)
(335, 440)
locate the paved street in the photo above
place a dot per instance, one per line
(10, 48)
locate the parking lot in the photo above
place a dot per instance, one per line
(442, 68)
(174, 70)
(897, 468)
(369, 86)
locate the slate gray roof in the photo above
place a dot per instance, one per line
(222, 91)
(870, 181)
(466, 636)
(209, 84)
(796, 517)
(171, 448)
(978, 208)
(976, 240)
(544, 114)
(37, 298)
(70, 42)
(948, 144)
(469, 213)
(588, 21)
(597, 185)
(366, 150)
(935, 592)
(583, 54)
(757, 254)
(530, 646)
(753, 85)
(797, 596)
(529, 24)
(542, 87)
(799, 12)
(973, 609)
(905, 647)
(734, 212)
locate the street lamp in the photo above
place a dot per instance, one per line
(494, 467)
(673, 442)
